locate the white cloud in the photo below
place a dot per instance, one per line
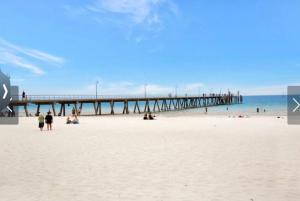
(149, 15)
(10, 58)
(26, 58)
(142, 11)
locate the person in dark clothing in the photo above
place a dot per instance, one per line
(49, 120)
(23, 95)
(257, 110)
(145, 116)
(150, 116)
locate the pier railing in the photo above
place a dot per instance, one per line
(84, 97)
(151, 103)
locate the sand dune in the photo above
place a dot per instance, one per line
(172, 158)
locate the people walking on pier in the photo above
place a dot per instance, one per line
(49, 120)
(23, 95)
(41, 120)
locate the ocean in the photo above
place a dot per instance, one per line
(275, 105)
(268, 105)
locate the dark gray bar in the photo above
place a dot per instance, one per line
(7, 117)
(293, 100)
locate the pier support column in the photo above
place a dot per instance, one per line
(26, 110)
(80, 108)
(147, 107)
(53, 109)
(199, 102)
(60, 110)
(136, 107)
(76, 108)
(99, 108)
(95, 107)
(112, 103)
(38, 110)
(162, 105)
(181, 104)
(174, 106)
(165, 105)
(169, 105)
(156, 104)
(64, 110)
(125, 109)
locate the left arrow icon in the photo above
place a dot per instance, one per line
(5, 91)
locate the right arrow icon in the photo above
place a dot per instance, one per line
(293, 105)
(5, 91)
(298, 105)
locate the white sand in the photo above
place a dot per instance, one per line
(172, 158)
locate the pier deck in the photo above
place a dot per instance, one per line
(151, 104)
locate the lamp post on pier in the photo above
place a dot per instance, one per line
(145, 90)
(97, 82)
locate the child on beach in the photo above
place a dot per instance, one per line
(68, 120)
(145, 116)
(151, 117)
(41, 120)
(49, 120)
(75, 120)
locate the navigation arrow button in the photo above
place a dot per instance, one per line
(5, 91)
(298, 105)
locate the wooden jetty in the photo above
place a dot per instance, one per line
(150, 104)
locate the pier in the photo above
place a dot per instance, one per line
(140, 105)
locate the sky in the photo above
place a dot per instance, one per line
(65, 47)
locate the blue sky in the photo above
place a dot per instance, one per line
(63, 47)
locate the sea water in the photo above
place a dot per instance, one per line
(275, 105)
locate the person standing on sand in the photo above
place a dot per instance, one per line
(41, 120)
(206, 110)
(49, 120)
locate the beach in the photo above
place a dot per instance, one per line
(173, 158)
